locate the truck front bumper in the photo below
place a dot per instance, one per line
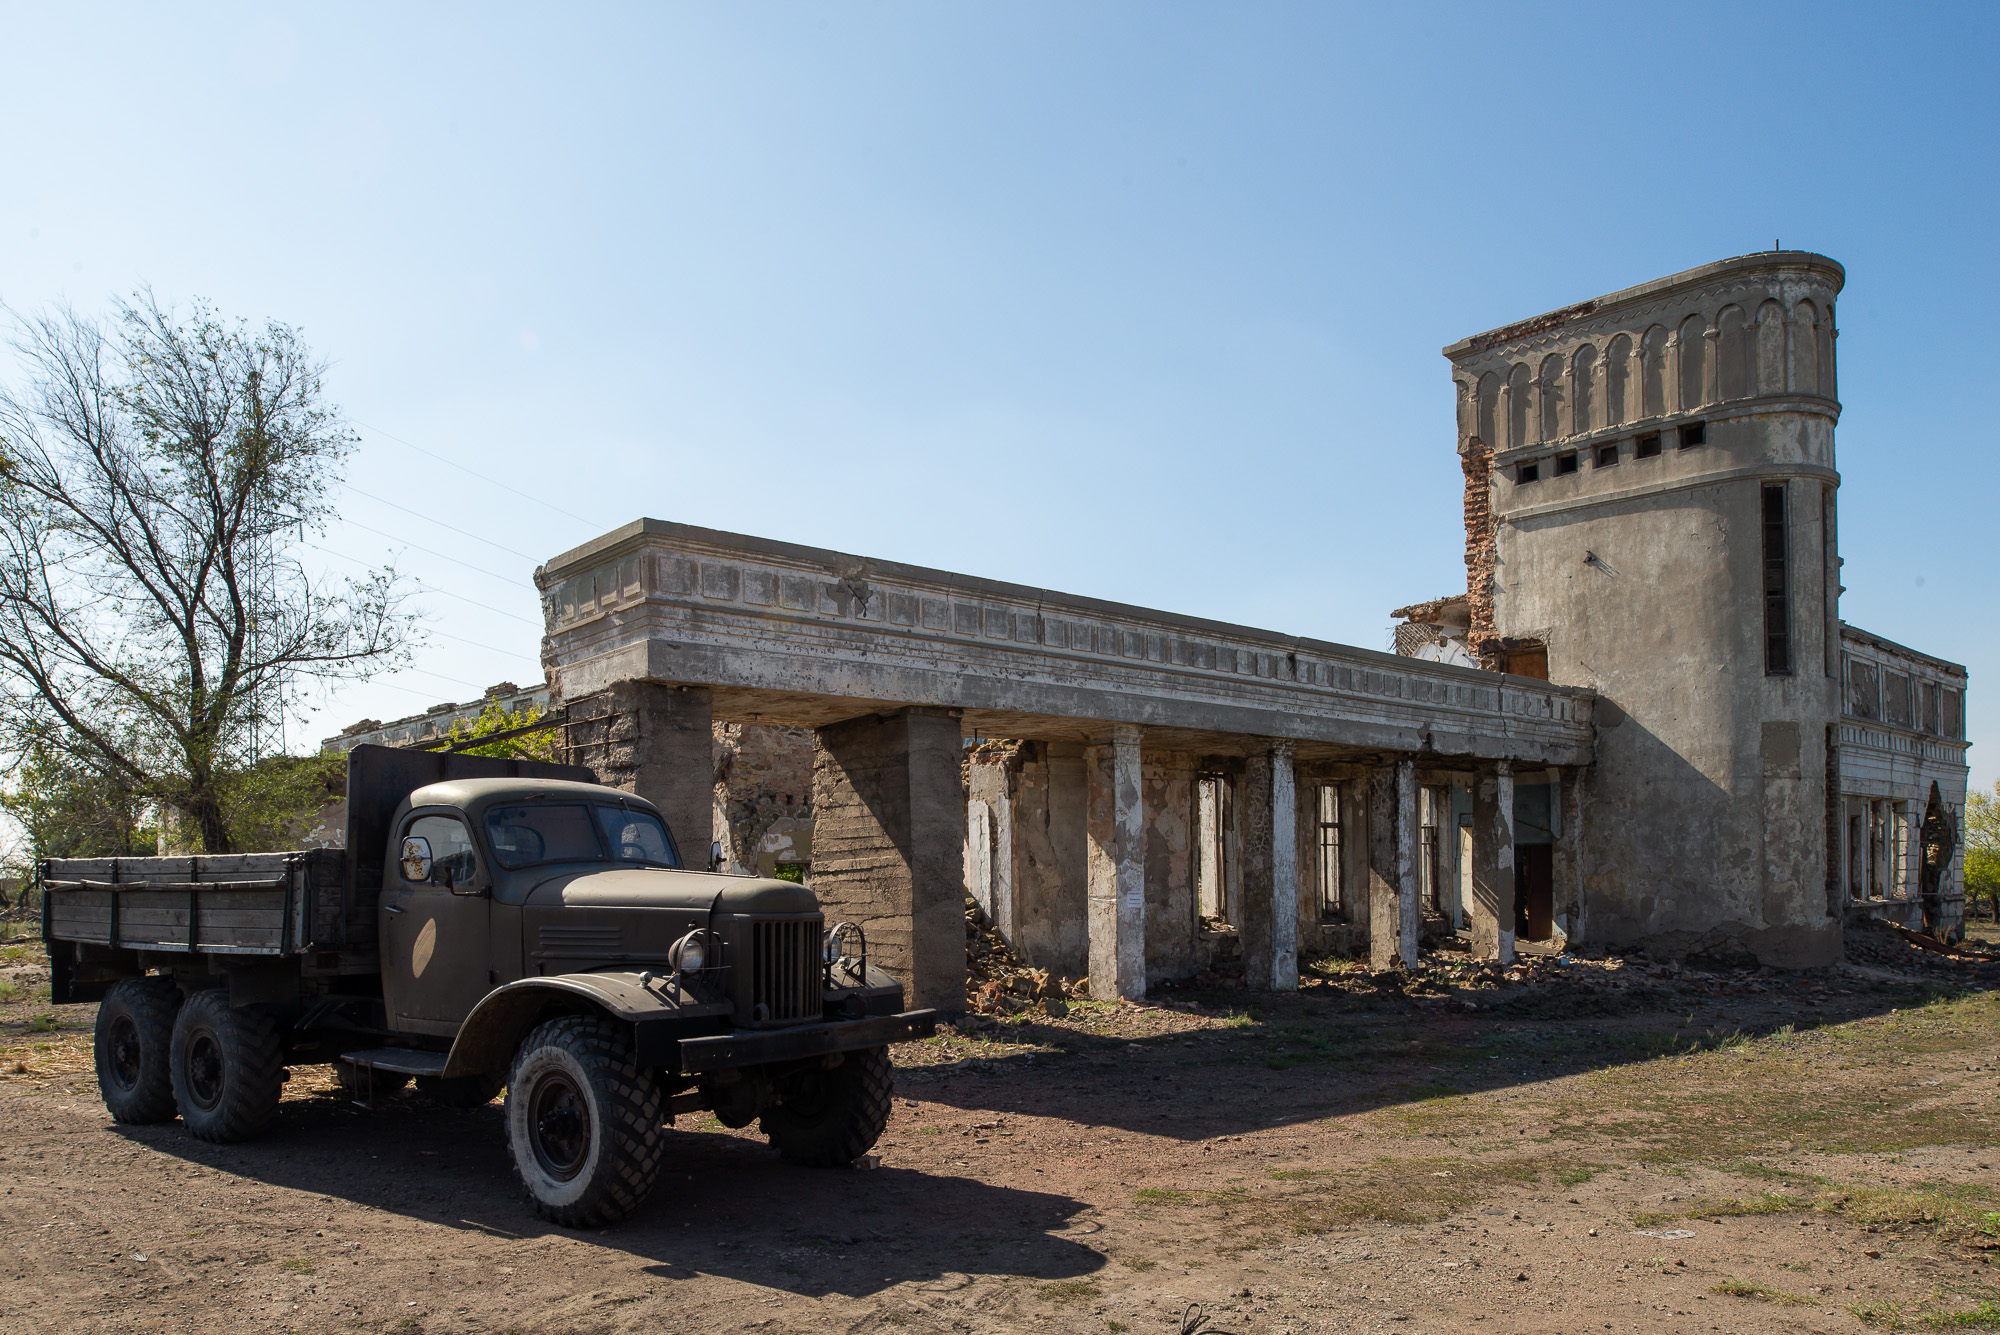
(755, 1047)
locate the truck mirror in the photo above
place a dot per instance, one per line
(416, 859)
(715, 856)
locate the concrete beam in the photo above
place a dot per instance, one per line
(889, 846)
(1117, 887)
(789, 634)
(1493, 865)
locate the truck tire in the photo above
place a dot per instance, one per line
(461, 1091)
(583, 1122)
(134, 1046)
(830, 1118)
(228, 1068)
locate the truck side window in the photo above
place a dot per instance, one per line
(451, 848)
(542, 832)
(637, 836)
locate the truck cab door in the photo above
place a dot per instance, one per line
(433, 925)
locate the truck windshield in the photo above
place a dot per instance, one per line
(542, 832)
(637, 836)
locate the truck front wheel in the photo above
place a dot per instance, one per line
(228, 1068)
(829, 1118)
(584, 1122)
(135, 1035)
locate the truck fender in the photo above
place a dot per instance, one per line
(660, 1014)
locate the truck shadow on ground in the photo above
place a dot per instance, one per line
(1292, 1063)
(726, 1206)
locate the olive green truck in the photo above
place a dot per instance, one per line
(489, 923)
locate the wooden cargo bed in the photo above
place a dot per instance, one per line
(232, 904)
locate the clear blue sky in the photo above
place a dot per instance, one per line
(1137, 301)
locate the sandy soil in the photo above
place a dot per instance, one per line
(1638, 1150)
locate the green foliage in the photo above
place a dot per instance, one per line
(544, 745)
(1982, 849)
(67, 810)
(157, 480)
(274, 805)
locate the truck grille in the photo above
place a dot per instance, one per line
(785, 970)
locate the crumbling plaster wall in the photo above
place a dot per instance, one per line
(1643, 577)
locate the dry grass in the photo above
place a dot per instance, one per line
(1736, 1288)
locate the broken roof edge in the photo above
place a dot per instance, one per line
(1687, 278)
(1427, 612)
(1855, 633)
(628, 537)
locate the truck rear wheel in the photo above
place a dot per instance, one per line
(583, 1122)
(829, 1118)
(134, 1043)
(228, 1068)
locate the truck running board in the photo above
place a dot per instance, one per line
(402, 1061)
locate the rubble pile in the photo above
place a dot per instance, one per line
(1884, 947)
(998, 983)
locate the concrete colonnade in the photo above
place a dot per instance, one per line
(1082, 843)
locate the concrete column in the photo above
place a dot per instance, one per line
(672, 761)
(1385, 927)
(1493, 864)
(1409, 885)
(889, 846)
(1568, 853)
(1117, 890)
(1267, 909)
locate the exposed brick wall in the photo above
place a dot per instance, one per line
(763, 794)
(1481, 550)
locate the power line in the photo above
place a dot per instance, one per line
(509, 653)
(397, 537)
(427, 588)
(432, 519)
(471, 472)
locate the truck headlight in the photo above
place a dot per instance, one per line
(689, 954)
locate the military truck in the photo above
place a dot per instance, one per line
(489, 923)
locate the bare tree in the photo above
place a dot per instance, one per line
(154, 480)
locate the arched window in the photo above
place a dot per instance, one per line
(1733, 380)
(1489, 401)
(1520, 399)
(1694, 362)
(1653, 369)
(1551, 396)
(1617, 380)
(1770, 348)
(1583, 406)
(1805, 349)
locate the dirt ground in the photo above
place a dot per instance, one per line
(1569, 1146)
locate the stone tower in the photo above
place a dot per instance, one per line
(1650, 512)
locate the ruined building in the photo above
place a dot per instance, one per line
(1643, 724)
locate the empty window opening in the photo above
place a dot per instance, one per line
(1954, 714)
(1863, 700)
(1434, 806)
(1777, 586)
(1527, 473)
(1929, 712)
(1857, 848)
(1646, 447)
(1565, 464)
(1693, 434)
(1327, 869)
(1211, 868)
(1607, 455)
(1896, 699)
